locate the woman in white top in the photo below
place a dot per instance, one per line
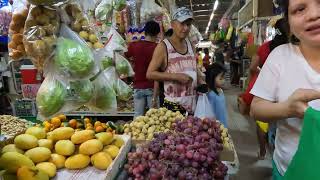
(290, 81)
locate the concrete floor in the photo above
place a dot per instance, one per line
(243, 132)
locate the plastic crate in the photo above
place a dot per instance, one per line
(24, 108)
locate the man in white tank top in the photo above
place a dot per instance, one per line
(175, 64)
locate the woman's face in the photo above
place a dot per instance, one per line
(304, 20)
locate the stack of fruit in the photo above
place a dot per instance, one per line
(191, 151)
(155, 120)
(39, 154)
(226, 138)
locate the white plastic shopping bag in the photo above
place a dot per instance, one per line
(204, 108)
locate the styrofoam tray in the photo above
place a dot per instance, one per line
(94, 173)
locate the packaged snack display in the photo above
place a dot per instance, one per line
(19, 16)
(74, 60)
(40, 33)
(78, 21)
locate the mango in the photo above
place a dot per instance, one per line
(47, 167)
(78, 161)
(62, 133)
(12, 161)
(38, 154)
(64, 147)
(105, 137)
(82, 136)
(47, 143)
(37, 132)
(112, 150)
(26, 141)
(31, 173)
(11, 148)
(118, 141)
(101, 160)
(90, 147)
(57, 160)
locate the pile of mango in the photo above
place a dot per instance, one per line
(38, 154)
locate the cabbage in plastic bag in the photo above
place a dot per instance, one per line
(81, 91)
(115, 41)
(51, 96)
(104, 57)
(123, 66)
(124, 92)
(74, 59)
(104, 98)
(104, 10)
(111, 76)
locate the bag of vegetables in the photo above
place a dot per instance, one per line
(74, 60)
(104, 98)
(149, 10)
(19, 16)
(40, 33)
(111, 75)
(104, 57)
(45, 2)
(80, 91)
(124, 92)
(115, 41)
(123, 67)
(103, 11)
(119, 5)
(51, 96)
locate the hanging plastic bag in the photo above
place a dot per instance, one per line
(104, 98)
(67, 33)
(123, 66)
(302, 165)
(203, 108)
(111, 75)
(124, 92)
(133, 10)
(80, 91)
(105, 58)
(115, 41)
(51, 96)
(40, 34)
(119, 5)
(5, 17)
(45, 2)
(19, 16)
(166, 21)
(149, 10)
(75, 17)
(74, 60)
(103, 11)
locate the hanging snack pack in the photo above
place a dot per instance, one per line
(51, 96)
(104, 98)
(79, 23)
(124, 92)
(74, 60)
(302, 165)
(123, 66)
(40, 34)
(149, 10)
(19, 16)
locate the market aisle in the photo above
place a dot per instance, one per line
(243, 133)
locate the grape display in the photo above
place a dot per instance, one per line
(189, 151)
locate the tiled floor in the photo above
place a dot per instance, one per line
(243, 132)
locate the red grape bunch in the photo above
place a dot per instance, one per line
(189, 152)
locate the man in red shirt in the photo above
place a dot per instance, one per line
(141, 54)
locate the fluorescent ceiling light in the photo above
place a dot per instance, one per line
(215, 6)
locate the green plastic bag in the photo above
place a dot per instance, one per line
(304, 164)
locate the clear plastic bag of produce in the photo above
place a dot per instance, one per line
(111, 75)
(166, 21)
(204, 108)
(104, 98)
(149, 10)
(5, 17)
(74, 60)
(119, 5)
(51, 96)
(77, 20)
(40, 33)
(123, 66)
(103, 11)
(133, 13)
(67, 33)
(124, 92)
(19, 16)
(45, 2)
(104, 57)
(115, 41)
(80, 91)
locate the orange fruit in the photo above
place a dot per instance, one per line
(97, 123)
(56, 122)
(104, 125)
(73, 123)
(99, 129)
(62, 117)
(87, 120)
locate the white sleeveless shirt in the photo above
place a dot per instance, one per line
(183, 94)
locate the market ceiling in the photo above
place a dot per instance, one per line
(202, 10)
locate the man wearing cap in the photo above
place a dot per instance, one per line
(175, 64)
